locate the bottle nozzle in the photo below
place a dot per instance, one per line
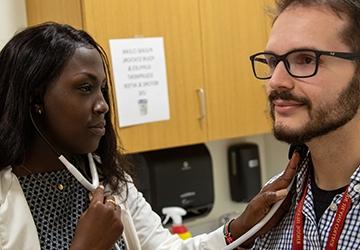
(175, 213)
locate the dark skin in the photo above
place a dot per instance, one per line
(260, 205)
(100, 220)
(72, 119)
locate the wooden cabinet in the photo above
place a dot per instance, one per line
(232, 30)
(207, 46)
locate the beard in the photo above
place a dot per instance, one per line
(323, 120)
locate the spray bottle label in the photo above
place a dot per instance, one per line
(176, 213)
(181, 230)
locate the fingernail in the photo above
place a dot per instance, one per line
(90, 196)
(101, 186)
(281, 193)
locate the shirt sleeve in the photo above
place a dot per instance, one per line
(152, 235)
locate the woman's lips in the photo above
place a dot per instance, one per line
(98, 129)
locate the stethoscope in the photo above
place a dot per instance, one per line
(252, 231)
(72, 169)
(77, 174)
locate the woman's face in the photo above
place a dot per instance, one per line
(74, 104)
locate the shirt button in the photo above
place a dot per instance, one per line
(333, 207)
(357, 188)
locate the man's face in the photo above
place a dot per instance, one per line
(305, 108)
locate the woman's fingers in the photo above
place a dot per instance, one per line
(98, 195)
(284, 180)
(290, 170)
(100, 226)
(110, 202)
(260, 205)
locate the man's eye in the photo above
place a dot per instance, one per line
(272, 62)
(305, 59)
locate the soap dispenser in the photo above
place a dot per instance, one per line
(176, 213)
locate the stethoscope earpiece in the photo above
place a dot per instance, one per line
(72, 169)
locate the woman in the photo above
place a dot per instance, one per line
(54, 101)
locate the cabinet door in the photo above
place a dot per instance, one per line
(232, 30)
(178, 22)
(62, 11)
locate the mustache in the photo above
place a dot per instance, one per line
(287, 96)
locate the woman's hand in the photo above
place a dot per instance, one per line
(260, 205)
(100, 226)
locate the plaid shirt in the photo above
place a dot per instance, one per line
(316, 234)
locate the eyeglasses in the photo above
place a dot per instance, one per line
(299, 63)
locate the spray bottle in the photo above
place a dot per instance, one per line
(176, 213)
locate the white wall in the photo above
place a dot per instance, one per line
(272, 153)
(276, 155)
(12, 18)
(273, 158)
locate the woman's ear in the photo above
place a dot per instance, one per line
(38, 109)
(36, 105)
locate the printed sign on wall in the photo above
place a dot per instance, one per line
(139, 71)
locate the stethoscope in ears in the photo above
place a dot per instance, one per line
(72, 169)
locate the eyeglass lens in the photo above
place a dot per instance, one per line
(298, 63)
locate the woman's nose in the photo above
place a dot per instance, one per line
(101, 106)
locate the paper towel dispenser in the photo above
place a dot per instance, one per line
(244, 171)
(179, 176)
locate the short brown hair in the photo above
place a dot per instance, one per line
(348, 8)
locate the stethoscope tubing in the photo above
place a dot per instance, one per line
(72, 169)
(252, 231)
(76, 173)
(83, 181)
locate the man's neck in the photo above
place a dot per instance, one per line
(336, 156)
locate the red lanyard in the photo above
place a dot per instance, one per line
(336, 227)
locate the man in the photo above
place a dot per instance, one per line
(312, 67)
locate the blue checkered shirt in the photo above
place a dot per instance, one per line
(316, 234)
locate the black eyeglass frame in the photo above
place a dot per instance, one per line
(344, 55)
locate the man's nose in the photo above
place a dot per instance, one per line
(280, 79)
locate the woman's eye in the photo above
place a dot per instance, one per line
(104, 89)
(85, 88)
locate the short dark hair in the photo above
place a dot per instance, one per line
(349, 8)
(31, 60)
